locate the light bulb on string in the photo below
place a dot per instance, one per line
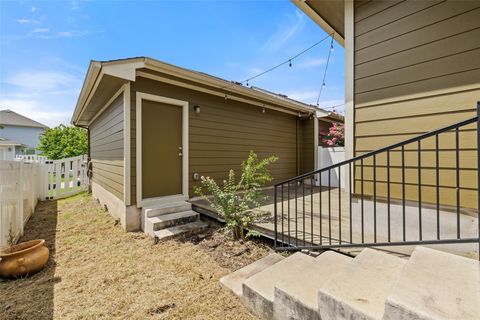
(331, 47)
(289, 63)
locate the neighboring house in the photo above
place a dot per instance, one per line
(24, 131)
(9, 149)
(155, 129)
(411, 67)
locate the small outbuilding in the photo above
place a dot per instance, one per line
(155, 129)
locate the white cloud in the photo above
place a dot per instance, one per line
(63, 34)
(311, 63)
(47, 96)
(26, 21)
(286, 30)
(33, 9)
(74, 5)
(41, 81)
(33, 110)
(40, 30)
(306, 96)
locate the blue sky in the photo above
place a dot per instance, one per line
(46, 47)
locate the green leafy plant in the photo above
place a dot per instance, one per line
(237, 203)
(63, 142)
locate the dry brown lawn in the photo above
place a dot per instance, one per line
(98, 271)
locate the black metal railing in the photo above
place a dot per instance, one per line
(409, 193)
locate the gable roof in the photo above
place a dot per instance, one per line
(11, 118)
(127, 70)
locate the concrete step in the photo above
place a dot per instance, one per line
(166, 208)
(234, 280)
(436, 285)
(182, 229)
(171, 219)
(299, 299)
(258, 290)
(359, 291)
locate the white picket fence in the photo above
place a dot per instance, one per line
(31, 178)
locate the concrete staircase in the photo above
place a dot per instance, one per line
(374, 285)
(166, 221)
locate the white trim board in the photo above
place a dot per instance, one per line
(126, 144)
(185, 148)
(349, 84)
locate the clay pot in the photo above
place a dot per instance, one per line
(23, 259)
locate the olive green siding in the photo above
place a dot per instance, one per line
(417, 68)
(106, 148)
(223, 133)
(306, 145)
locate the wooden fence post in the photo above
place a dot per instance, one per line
(20, 199)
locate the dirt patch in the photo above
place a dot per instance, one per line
(98, 271)
(230, 254)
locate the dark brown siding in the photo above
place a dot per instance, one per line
(106, 148)
(417, 68)
(224, 132)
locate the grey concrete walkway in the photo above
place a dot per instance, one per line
(304, 225)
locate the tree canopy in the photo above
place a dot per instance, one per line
(63, 142)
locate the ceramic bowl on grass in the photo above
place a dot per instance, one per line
(23, 259)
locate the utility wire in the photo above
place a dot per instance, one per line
(326, 68)
(289, 61)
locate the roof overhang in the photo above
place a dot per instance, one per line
(328, 14)
(104, 79)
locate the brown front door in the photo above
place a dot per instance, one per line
(161, 149)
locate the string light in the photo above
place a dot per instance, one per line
(289, 61)
(335, 106)
(326, 68)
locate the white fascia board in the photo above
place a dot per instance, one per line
(125, 71)
(92, 74)
(321, 113)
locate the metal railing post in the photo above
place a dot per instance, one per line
(275, 215)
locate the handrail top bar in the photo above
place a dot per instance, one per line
(387, 148)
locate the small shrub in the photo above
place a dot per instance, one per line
(237, 203)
